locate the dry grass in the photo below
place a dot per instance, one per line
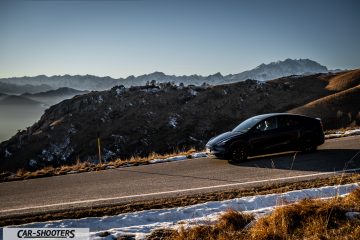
(307, 219)
(153, 155)
(87, 166)
(336, 110)
(344, 81)
(229, 226)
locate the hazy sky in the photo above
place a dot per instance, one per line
(121, 38)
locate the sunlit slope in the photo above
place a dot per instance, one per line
(337, 110)
(344, 80)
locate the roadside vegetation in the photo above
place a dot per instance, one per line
(337, 218)
(80, 167)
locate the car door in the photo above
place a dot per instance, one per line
(265, 137)
(290, 131)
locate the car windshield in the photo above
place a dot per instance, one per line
(246, 125)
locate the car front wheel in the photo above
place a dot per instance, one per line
(238, 153)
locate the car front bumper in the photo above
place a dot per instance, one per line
(216, 151)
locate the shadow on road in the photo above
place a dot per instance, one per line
(325, 160)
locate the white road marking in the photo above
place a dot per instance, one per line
(180, 191)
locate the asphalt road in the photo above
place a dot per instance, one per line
(162, 180)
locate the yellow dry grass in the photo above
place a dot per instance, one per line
(344, 81)
(307, 219)
(87, 166)
(152, 156)
(332, 98)
(229, 226)
(337, 110)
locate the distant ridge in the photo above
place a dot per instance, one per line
(262, 72)
(64, 91)
(11, 87)
(18, 100)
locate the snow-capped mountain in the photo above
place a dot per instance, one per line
(279, 69)
(89, 82)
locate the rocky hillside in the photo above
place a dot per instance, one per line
(154, 118)
(88, 82)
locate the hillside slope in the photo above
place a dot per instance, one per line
(339, 109)
(344, 80)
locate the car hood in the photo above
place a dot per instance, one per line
(222, 137)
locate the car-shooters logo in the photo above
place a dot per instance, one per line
(46, 233)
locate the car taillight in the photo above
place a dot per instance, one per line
(321, 124)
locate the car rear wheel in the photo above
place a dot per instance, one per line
(307, 146)
(238, 153)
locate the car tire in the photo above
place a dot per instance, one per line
(238, 153)
(307, 146)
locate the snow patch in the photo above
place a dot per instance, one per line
(72, 130)
(173, 122)
(100, 99)
(176, 158)
(119, 91)
(170, 159)
(346, 133)
(193, 92)
(32, 163)
(108, 154)
(353, 215)
(61, 150)
(194, 139)
(352, 132)
(199, 155)
(7, 153)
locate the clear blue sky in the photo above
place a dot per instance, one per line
(121, 38)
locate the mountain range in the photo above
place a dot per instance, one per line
(263, 72)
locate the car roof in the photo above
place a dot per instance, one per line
(264, 116)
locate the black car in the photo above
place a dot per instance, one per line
(268, 133)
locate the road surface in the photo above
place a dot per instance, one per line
(171, 179)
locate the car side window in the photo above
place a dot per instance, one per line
(287, 121)
(267, 124)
